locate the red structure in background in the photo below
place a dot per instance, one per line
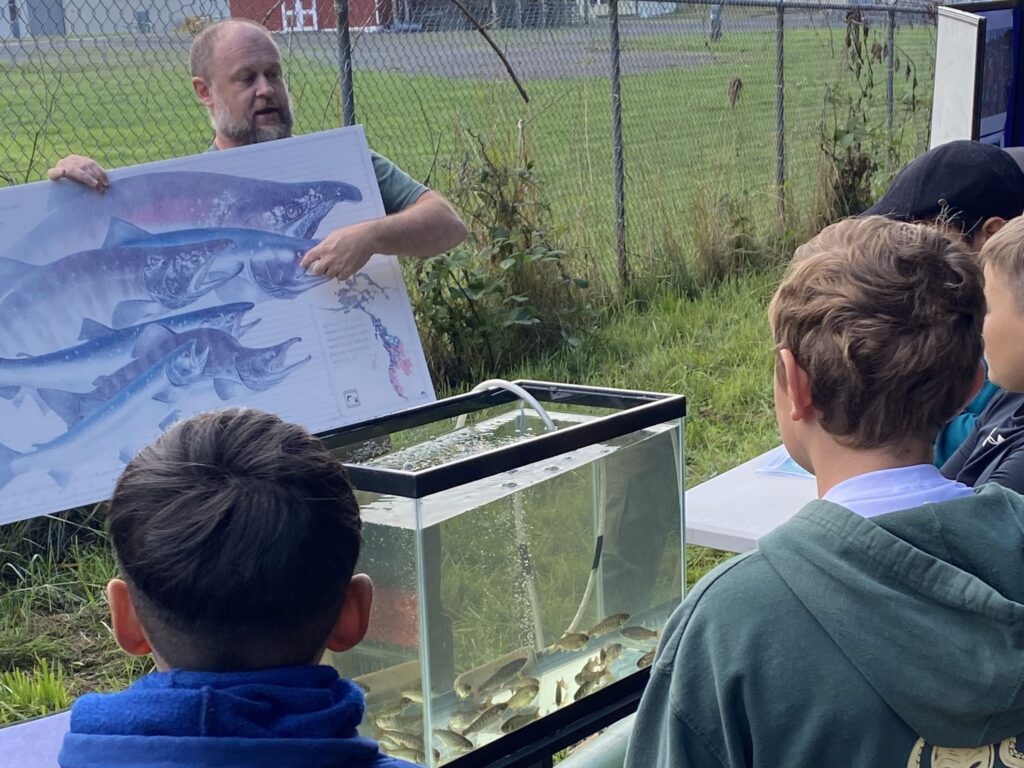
(311, 15)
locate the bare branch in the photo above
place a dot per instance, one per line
(42, 127)
(479, 28)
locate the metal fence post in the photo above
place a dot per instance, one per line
(621, 259)
(889, 77)
(348, 104)
(780, 116)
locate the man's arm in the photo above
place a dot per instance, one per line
(426, 228)
(82, 169)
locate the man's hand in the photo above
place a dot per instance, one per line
(343, 252)
(426, 228)
(82, 169)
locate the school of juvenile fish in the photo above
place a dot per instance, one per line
(505, 699)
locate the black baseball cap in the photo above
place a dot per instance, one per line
(967, 179)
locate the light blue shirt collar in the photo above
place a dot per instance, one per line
(890, 490)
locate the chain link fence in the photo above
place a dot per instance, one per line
(725, 108)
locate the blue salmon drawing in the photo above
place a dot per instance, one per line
(269, 262)
(119, 426)
(177, 200)
(230, 368)
(119, 287)
(104, 350)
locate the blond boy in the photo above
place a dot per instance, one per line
(994, 449)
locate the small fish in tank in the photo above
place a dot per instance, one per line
(490, 716)
(494, 675)
(572, 641)
(639, 633)
(400, 722)
(608, 625)
(402, 739)
(611, 652)
(586, 689)
(592, 671)
(413, 695)
(516, 722)
(524, 696)
(452, 739)
(646, 660)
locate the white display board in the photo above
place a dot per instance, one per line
(178, 291)
(959, 42)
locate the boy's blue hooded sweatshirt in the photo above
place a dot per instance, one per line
(300, 717)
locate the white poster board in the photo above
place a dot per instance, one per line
(959, 41)
(179, 291)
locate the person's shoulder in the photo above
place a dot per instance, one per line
(735, 593)
(994, 495)
(739, 576)
(1002, 404)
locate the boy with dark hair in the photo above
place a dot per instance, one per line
(881, 626)
(994, 450)
(969, 190)
(238, 536)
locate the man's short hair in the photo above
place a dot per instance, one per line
(1004, 253)
(205, 43)
(237, 534)
(885, 317)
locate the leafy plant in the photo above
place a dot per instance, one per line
(506, 295)
(856, 144)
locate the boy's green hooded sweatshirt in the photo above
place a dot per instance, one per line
(895, 641)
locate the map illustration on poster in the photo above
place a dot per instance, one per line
(178, 291)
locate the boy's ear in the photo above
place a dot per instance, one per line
(354, 618)
(797, 386)
(992, 225)
(125, 621)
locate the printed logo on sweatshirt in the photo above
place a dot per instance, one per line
(1010, 753)
(993, 438)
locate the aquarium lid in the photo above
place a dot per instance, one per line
(397, 511)
(637, 411)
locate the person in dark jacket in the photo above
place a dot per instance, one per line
(237, 535)
(880, 627)
(994, 450)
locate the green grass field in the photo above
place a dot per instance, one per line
(685, 145)
(681, 135)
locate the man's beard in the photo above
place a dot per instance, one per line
(243, 130)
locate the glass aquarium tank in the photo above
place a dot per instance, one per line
(526, 545)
